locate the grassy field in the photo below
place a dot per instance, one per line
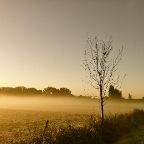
(25, 124)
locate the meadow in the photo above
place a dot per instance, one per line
(70, 121)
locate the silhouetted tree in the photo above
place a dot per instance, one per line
(20, 90)
(101, 67)
(114, 93)
(54, 91)
(65, 91)
(33, 91)
(51, 91)
(129, 96)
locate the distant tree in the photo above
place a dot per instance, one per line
(20, 90)
(101, 67)
(65, 91)
(7, 91)
(129, 96)
(33, 91)
(55, 91)
(51, 91)
(114, 93)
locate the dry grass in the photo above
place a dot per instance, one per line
(26, 127)
(75, 124)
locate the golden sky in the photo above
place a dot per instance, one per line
(42, 41)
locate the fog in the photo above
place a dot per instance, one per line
(62, 104)
(66, 104)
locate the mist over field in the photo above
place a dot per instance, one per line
(23, 118)
(68, 104)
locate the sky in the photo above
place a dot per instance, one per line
(42, 41)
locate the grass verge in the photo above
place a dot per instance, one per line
(134, 137)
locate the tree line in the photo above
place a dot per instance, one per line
(51, 91)
(21, 90)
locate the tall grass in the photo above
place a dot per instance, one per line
(114, 127)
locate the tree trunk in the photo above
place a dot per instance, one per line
(102, 106)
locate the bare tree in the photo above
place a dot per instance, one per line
(101, 66)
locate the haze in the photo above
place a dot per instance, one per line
(70, 105)
(38, 103)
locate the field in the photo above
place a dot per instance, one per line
(25, 123)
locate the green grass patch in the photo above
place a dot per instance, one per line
(134, 137)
